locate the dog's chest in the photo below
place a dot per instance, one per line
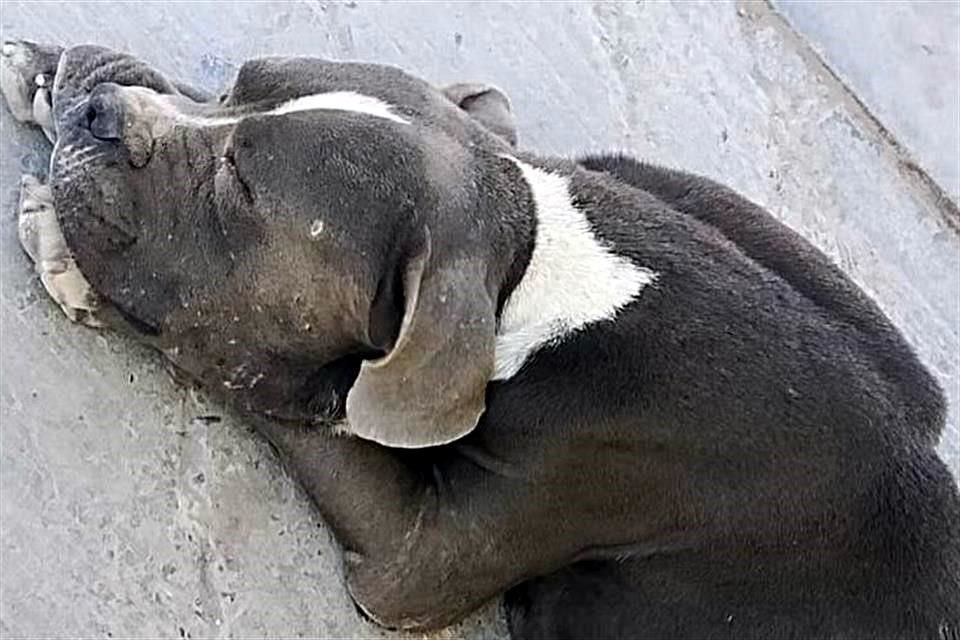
(573, 279)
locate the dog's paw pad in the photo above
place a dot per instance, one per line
(27, 68)
(67, 286)
(36, 205)
(42, 239)
(70, 290)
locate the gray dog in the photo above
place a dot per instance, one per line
(624, 395)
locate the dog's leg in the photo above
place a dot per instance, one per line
(27, 73)
(426, 541)
(27, 78)
(41, 238)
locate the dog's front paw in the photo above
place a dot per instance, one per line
(42, 239)
(27, 72)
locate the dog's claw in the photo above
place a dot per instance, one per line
(27, 70)
(41, 238)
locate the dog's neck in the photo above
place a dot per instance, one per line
(553, 271)
(564, 274)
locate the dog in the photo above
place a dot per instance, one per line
(623, 395)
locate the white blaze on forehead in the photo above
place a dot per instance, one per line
(163, 114)
(340, 101)
(349, 101)
(572, 280)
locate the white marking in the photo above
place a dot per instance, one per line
(9, 49)
(40, 80)
(70, 158)
(316, 228)
(573, 280)
(332, 101)
(204, 121)
(340, 101)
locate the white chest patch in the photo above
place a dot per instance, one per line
(572, 280)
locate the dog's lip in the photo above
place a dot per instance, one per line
(143, 327)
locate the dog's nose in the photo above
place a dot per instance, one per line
(104, 115)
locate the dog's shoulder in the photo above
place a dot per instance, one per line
(785, 253)
(573, 277)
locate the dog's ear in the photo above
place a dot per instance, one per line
(487, 105)
(429, 388)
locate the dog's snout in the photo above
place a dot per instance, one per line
(104, 114)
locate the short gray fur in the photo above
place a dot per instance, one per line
(139, 520)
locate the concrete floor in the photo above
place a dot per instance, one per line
(901, 61)
(125, 513)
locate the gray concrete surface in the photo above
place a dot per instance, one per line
(123, 515)
(902, 59)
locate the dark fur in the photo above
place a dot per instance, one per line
(830, 519)
(746, 452)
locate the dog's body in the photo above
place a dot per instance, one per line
(635, 398)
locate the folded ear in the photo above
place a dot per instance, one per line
(487, 105)
(429, 389)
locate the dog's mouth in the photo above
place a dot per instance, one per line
(87, 186)
(136, 324)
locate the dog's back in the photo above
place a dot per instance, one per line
(893, 572)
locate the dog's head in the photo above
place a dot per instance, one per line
(321, 219)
